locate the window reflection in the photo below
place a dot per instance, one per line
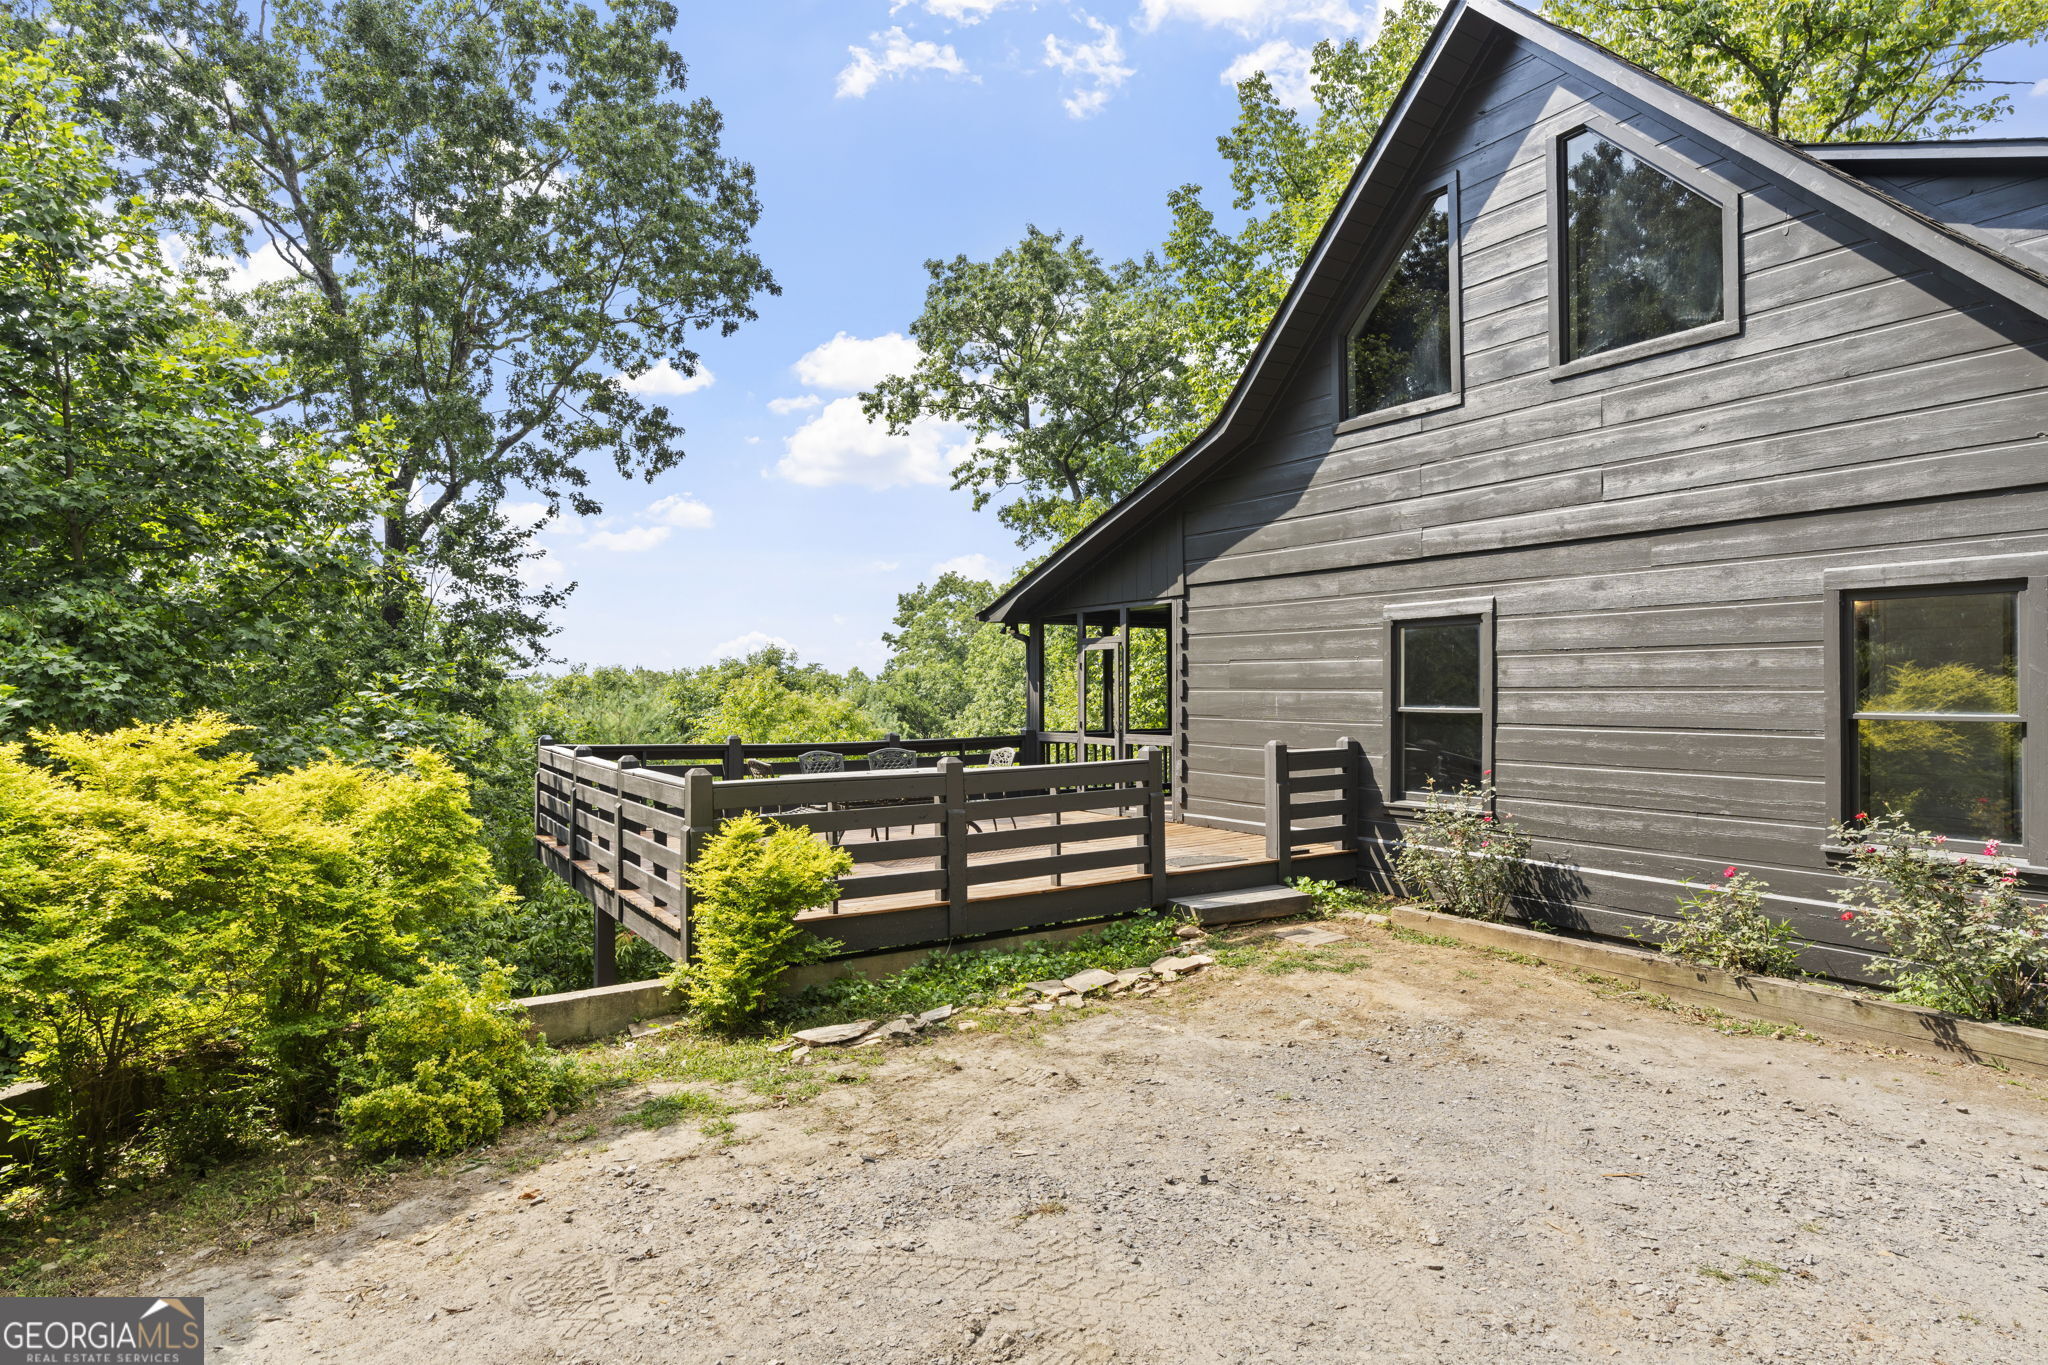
(1642, 252)
(1402, 350)
(1938, 731)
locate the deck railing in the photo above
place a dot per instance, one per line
(1078, 839)
(1312, 797)
(729, 757)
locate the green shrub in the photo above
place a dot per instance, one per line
(1959, 935)
(171, 920)
(747, 887)
(1330, 897)
(1462, 857)
(445, 1067)
(1725, 926)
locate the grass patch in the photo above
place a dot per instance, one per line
(1045, 1210)
(1607, 988)
(971, 978)
(1714, 1272)
(1324, 959)
(663, 1110)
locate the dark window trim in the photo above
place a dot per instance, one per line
(2026, 575)
(1728, 196)
(1399, 614)
(1369, 295)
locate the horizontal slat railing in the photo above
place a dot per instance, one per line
(623, 833)
(1312, 797)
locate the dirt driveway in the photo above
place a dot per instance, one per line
(1434, 1155)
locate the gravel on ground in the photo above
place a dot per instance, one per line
(1378, 1150)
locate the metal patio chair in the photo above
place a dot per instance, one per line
(892, 759)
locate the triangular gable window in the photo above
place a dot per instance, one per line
(1400, 352)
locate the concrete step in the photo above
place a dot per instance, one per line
(1235, 907)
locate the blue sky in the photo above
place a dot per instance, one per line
(884, 134)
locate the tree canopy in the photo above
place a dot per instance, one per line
(486, 219)
(1823, 70)
(1063, 368)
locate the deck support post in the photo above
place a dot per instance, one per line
(1155, 820)
(1279, 838)
(953, 773)
(700, 821)
(604, 947)
(735, 759)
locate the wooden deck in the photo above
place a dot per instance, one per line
(1190, 849)
(946, 854)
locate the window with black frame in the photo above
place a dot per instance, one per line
(1936, 720)
(1642, 252)
(1400, 352)
(1439, 705)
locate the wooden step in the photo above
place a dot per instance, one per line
(1235, 907)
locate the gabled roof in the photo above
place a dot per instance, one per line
(1459, 43)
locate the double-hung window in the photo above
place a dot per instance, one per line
(1935, 722)
(1441, 698)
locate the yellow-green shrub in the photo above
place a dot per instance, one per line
(163, 907)
(746, 888)
(445, 1067)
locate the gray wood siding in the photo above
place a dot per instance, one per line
(1147, 569)
(2007, 211)
(1653, 534)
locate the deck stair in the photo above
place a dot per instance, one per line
(1252, 903)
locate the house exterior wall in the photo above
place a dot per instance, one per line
(1654, 535)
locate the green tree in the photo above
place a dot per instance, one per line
(489, 215)
(946, 668)
(761, 708)
(156, 552)
(1062, 367)
(1288, 169)
(1823, 70)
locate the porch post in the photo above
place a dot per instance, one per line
(735, 759)
(1119, 669)
(1034, 693)
(604, 947)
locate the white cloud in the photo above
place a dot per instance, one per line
(840, 446)
(2040, 88)
(971, 566)
(1259, 16)
(1098, 67)
(1287, 70)
(538, 570)
(959, 11)
(632, 540)
(847, 363)
(899, 56)
(782, 407)
(665, 379)
(265, 265)
(740, 646)
(681, 510)
(884, 565)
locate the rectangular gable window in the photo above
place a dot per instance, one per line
(1936, 723)
(1643, 253)
(1439, 705)
(1400, 351)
